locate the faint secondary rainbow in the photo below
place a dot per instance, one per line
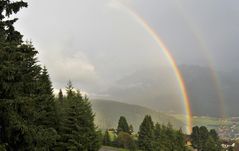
(203, 45)
(171, 61)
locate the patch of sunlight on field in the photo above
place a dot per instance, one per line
(210, 122)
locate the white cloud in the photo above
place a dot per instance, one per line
(75, 67)
(114, 4)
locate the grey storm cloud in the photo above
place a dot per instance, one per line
(96, 44)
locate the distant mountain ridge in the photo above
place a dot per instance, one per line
(212, 93)
(108, 113)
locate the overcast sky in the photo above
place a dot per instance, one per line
(95, 43)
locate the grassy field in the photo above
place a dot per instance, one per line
(210, 122)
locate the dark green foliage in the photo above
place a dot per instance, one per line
(123, 125)
(179, 141)
(60, 96)
(70, 90)
(146, 134)
(210, 145)
(166, 138)
(125, 140)
(29, 117)
(195, 136)
(158, 139)
(46, 117)
(20, 82)
(77, 129)
(204, 140)
(217, 143)
(203, 137)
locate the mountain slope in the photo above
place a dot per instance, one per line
(108, 113)
(211, 92)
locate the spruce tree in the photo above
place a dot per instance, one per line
(158, 137)
(78, 131)
(19, 73)
(46, 116)
(60, 96)
(146, 134)
(203, 137)
(179, 140)
(213, 134)
(195, 136)
(70, 90)
(123, 125)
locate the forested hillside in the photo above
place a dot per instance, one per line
(108, 112)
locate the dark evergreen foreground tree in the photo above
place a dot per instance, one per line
(19, 75)
(46, 119)
(29, 119)
(77, 130)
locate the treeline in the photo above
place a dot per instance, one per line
(31, 119)
(151, 137)
(157, 137)
(204, 140)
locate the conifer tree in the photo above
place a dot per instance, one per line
(146, 134)
(60, 96)
(78, 131)
(28, 117)
(203, 137)
(19, 73)
(179, 140)
(213, 134)
(46, 117)
(158, 135)
(195, 136)
(123, 125)
(70, 90)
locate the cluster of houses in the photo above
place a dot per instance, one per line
(230, 131)
(226, 145)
